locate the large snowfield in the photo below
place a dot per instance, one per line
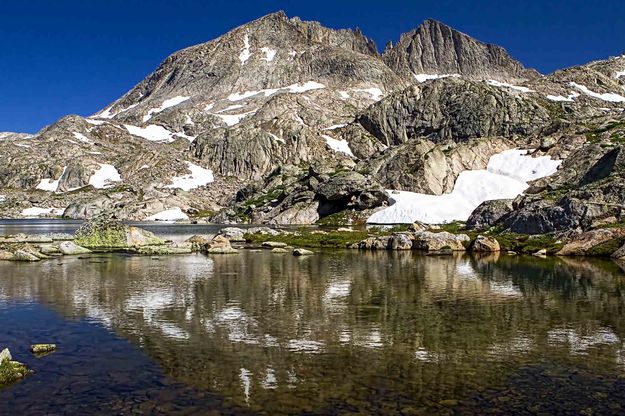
(505, 177)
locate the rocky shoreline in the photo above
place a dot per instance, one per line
(105, 235)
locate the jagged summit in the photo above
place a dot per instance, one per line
(437, 49)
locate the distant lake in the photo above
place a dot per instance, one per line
(341, 332)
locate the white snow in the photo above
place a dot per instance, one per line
(106, 113)
(21, 145)
(506, 177)
(37, 211)
(234, 119)
(338, 145)
(174, 214)
(293, 89)
(105, 176)
(245, 53)
(95, 122)
(570, 98)
(50, 185)
(171, 102)
(425, 77)
(344, 95)
(375, 93)
(276, 138)
(198, 177)
(335, 126)
(608, 96)
(81, 137)
(619, 74)
(151, 132)
(506, 85)
(269, 54)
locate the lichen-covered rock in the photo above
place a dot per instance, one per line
(104, 234)
(273, 244)
(70, 248)
(42, 348)
(24, 238)
(483, 244)
(430, 241)
(162, 250)
(488, 213)
(233, 234)
(220, 245)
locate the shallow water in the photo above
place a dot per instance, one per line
(341, 332)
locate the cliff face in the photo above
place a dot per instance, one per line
(436, 49)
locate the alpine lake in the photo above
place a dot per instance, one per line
(342, 332)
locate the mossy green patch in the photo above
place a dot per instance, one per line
(607, 248)
(528, 244)
(11, 371)
(307, 238)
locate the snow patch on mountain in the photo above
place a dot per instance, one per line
(174, 214)
(293, 89)
(506, 85)
(105, 176)
(245, 53)
(106, 113)
(505, 177)
(198, 177)
(49, 184)
(38, 212)
(151, 132)
(276, 138)
(425, 77)
(375, 93)
(269, 54)
(338, 145)
(234, 119)
(619, 74)
(171, 102)
(82, 137)
(570, 98)
(608, 96)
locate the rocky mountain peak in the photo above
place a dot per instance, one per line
(437, 49)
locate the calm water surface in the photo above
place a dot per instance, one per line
(341, 332)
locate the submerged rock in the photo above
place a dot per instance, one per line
(302, 252)
(106, 234)
(279, 250)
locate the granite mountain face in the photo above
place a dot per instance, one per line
(288, 122)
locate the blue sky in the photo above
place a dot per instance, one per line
(74, 57)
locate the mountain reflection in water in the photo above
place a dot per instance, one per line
(341, 331)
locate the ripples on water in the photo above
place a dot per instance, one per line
(338, 332)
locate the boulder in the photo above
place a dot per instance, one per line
(49, 249)
(105, 234)
(70, 248)
(488, 213)
(23, 255)
(417, 227)
(5, 355)
(233, 234)
(262, 231)
(173, 248)
(400, 241)
(540, 253)
(595, 242)
(619, 254)
(430, 241)
(220, 245)
(302, 252)
(279, 250)
(483, 244)
(197, 242)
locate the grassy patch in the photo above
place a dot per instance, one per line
(606, 248)
(11, 371)
(307, 238)
(528, 244)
